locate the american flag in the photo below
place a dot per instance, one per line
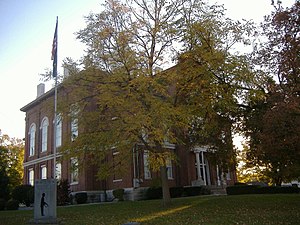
(54, 50)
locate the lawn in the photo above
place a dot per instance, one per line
(243, 209)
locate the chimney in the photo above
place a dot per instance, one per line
(40, 89)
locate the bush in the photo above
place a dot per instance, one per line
(63, 192)
(119, 194)
(254, 189)
(2, 204)
(192, 191)
(81, 197)
(24, 194)
(154, 193)
(12, 204)
(240, 183)
(176, 192)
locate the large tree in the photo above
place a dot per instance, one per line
(139, 101)
(11, 160)
(273, 122)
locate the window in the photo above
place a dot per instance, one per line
(43, 172)
(58, 130)
(117, 166)
(58, 171)
(31, 177)
(147, 172)
(74, 121)
(169, 169)
(74, 128)
(74, 170)
(32, 139)
(228, 177)
(44, 127)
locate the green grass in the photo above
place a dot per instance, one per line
(243, 209)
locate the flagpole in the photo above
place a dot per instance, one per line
(54, 58)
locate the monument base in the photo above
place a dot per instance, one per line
(45, 221)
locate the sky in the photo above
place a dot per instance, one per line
(27, 29)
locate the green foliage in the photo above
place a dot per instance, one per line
(255, 189)
(2, 204)
(81, 197)
(12, 204)
(24, 194)
(4, 182)
(119, 194)
(11, 168)
(63, 192)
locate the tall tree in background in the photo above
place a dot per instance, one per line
(11, 160)
(273, 123)
(138, 100)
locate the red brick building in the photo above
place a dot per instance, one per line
(193, 169)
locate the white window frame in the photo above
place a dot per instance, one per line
(58, 132)
(44, 128)
(32, 132)
(43, 172)
(31, 176)
(147, 172)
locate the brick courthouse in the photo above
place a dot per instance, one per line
(193, 169)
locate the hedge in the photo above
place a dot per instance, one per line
(176, 192)
(119, 194)
(12, 204)
(255, 189)
(81, 197)
(2, 204)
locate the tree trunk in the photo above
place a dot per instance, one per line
(165, 186)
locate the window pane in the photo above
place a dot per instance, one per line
(58, 171)
(58, 131)
(74, 170)
(43, 172)
(147, 173)
(31, 177)
(32, 140)
(44, 134)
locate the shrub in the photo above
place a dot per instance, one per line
(192, 191)
(176, 192)
(63, 192)
(81, 197)
(154, 193)
(119, 194)
(2, 204)
(12, 204)
(24, 194)
(254, 189)
(240, 183)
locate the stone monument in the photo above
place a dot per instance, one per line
(45, 201)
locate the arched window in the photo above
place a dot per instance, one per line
(43, 172)
(32, 131)
(58, 130)
(44, 127)
(31, 176)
